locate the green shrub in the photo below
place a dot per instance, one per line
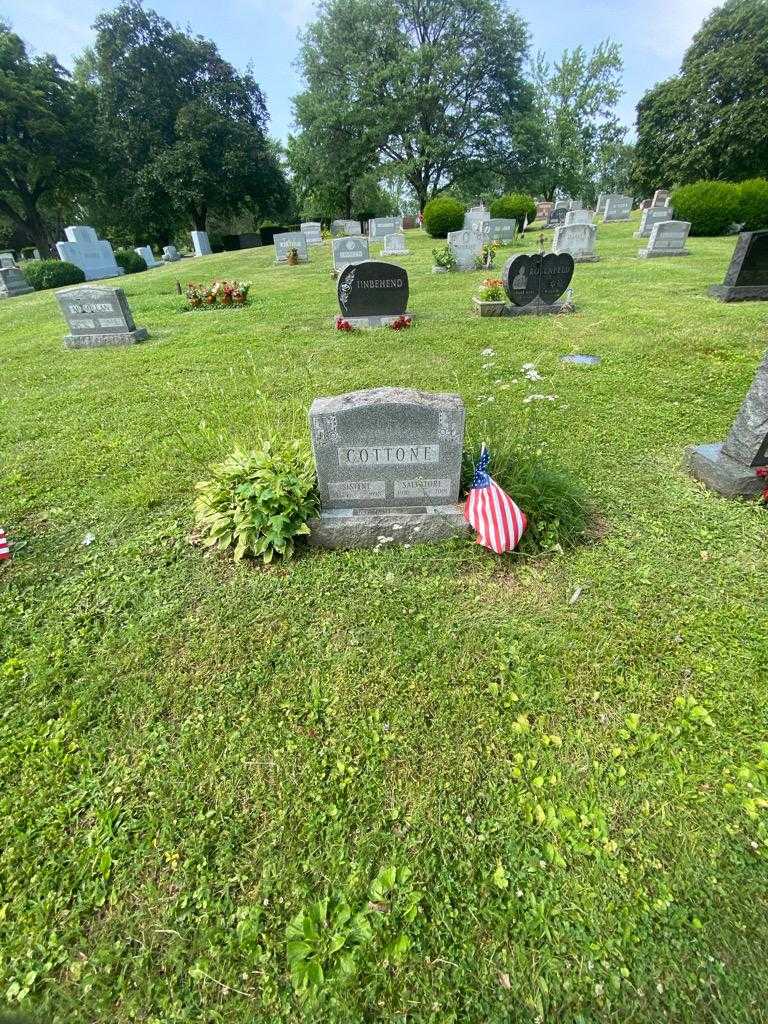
(753, 204)
(443, 214)
(130, 261)
(517, 205)
(710, 206)
(554, 504)
(258, 501)
(443, 257)
(43, 274)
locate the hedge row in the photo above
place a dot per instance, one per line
(713, 206)
(445, 213)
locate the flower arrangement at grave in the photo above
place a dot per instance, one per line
(444, 257)
(401, 324)
(343, 325)
(224, 293)
(487, 256)
(491, 298)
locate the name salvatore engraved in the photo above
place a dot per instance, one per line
(389, 455)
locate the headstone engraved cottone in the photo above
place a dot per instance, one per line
(534, 283)
(171, 254)
(747, 276)
(200, 243)
(145, 251)
(349, 250)
(313, 230)
(650, 216)
(372, 294)
(380, 227)
(617, 208)
(577, 217)
(388, 467)
(288, 240)
(86, 250)
(578, 240)
(98, 316)
(13, 283)
(466, 246)
(346, 227)
(668, 238)
(394, 245)
(499, 229)
(730, 468)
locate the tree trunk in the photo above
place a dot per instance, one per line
(348, 201)
(199, 217)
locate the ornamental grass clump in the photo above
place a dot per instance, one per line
(258, 502)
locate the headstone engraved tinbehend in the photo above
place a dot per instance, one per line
(346, 227)
(466, 246)
(388, 467)
(171, 254)
(747, 276)
(499, 229)
(394, 245)
(98, 316)
(380, 227)
(313, 230)
(372, 294)
(730, 468)
(145, 251)
(535, 283)
(201, 244)
(650, 216)
(617, 208)
(86, 250)
(288, 240)
(349, 250)
(577, 217)
(13, 282)
(578, 240)
(668, 238)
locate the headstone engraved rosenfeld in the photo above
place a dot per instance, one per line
(668, 238)
(388, 467)
(86, 250)
(201, 244)
(747, 276)
(466, 246)
(578, 240)
(288, 240)
(729, 468)
(650, 216)
(97, 317)
(347, 251)
(372, 294)
(535, 283)
(13, 282)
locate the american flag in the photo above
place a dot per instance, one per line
(497, 520)
(5, 551)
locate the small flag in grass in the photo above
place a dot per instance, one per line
(5, 551)
(496, 519)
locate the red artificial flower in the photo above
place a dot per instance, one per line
(401, 323)
(762, 472)
(343, 325)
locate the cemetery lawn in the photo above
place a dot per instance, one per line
(529, 789)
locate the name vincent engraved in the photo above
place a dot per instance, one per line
(389, 455)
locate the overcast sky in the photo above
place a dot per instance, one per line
(653, 35)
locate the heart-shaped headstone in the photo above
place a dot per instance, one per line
(543, 277)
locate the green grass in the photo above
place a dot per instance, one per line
(193, 754)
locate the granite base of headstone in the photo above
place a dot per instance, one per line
(746, 279)
(372, 294)
(388, 466)
(13, 283)
(730, 468)
(98, 317)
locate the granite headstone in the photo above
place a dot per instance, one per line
(13, 282)
(577, 217)
(98, 316)
(372, 294)
(380, 227)
(394, 245)
(534, 283)
(313, 230)
(201, 243)
(617, 208)
(349, 250)
(578, 240)
(499, 229)
(171, 254)
(145, 251)
(650, 216)
(86, 250)
(747, 276)
(346, 227)
(466, 246)
(288, 240)
(667, 238)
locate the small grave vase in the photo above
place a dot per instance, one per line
(293, 258)
(485, 308)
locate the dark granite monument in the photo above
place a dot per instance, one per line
(747, 276)
(372, 294)
(534, 283)
(729, 468)
(97, 317)
(388, 467)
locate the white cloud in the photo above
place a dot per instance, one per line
(667, 28)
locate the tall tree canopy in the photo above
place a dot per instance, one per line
(709, 121)
(181, 130)
(45, 143)
(420, 88)
(582, 137)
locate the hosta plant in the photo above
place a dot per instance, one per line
(258, 502)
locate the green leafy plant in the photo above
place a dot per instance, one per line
(130, 261)
(324, 939)
(43, 274)
(491, 290)
(443, 257)
(517, 205)
(710, 206)
(753, 204)
(443, 214)
(487, 256)
(258, 502)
